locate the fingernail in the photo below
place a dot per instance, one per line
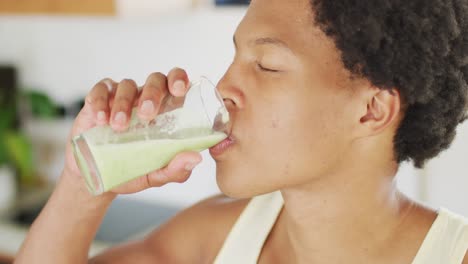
(179, 86)
(147, 107)
(101, 116)
(120, 117)
(191, 166)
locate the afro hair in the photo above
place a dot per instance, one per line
(420, 48)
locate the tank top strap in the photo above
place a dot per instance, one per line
(245, 241)
(446, 241)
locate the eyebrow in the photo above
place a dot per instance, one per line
(266, 41)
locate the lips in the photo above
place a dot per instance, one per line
(222, 146)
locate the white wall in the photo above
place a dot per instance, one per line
(447, 175)
(66, 56)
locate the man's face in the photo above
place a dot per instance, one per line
(289, 99)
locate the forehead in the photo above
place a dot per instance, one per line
(278, 9)
(291, 21)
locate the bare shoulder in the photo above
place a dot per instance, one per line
(465, 260)
(196, 234)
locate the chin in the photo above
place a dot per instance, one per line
(240, 184)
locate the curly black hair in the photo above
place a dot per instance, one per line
(420, 48)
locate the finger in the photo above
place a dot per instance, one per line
(178, 170)
(152, 95)
(123, 104)
(98, 100)
(178, 82)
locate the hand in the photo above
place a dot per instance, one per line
(111, 103)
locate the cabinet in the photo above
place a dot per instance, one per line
(57, 7)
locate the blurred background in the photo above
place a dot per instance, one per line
(53, 51)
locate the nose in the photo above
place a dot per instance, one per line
(230, 89)
(230, 104)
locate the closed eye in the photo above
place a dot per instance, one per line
(260, 66)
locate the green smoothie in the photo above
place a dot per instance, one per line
(118, 163)
(108, 158)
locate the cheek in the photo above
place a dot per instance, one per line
(286, 139)
(293, 125)
(294, 142)
(276, 134)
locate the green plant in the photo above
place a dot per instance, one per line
(15, 148)
(40, 105)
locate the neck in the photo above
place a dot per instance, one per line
(343, 215)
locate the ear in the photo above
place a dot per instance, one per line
(383, 108)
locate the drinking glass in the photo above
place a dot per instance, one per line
(195, 122)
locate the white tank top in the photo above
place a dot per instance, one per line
(446, 241)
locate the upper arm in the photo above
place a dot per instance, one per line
(465, 260)
(192, 236)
